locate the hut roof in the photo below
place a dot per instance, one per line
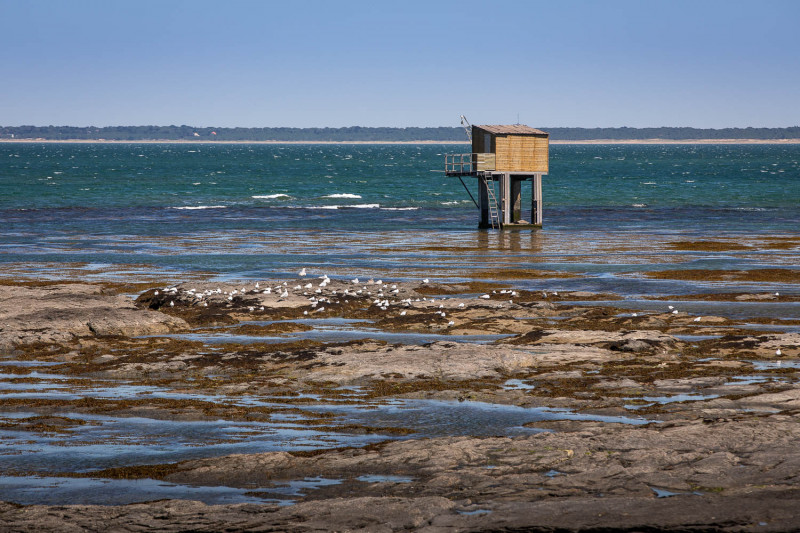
(513, 129)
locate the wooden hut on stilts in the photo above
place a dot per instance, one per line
(502, 158)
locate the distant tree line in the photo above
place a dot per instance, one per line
(673, 134)
(358, 133)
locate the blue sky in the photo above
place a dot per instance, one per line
(700, 63)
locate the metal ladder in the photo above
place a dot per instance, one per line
(494, 212)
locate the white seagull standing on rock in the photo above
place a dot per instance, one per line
(302, 272)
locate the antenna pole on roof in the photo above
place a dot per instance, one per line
(467, 127)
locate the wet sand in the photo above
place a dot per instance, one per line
(614, 419)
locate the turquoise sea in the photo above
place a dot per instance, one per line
(252, 211)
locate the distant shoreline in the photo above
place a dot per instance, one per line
(586, 141)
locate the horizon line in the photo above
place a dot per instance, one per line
(391, 127)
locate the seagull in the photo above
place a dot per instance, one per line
(485, 296)
(354, 281)
(285, 294)
(302, 272)
(697, 319)
(425, 280)
(171, 303)
(402, 313)
(671, 307)
(451, 323)
(778, 352)
(156, 293)
(675, 312)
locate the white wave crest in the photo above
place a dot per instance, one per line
(343, 195)
(355, 206)
(270, 196)
(193, 207)
(399, 208)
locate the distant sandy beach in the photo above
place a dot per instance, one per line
(173, 141)
(592, 141)
(685, 141)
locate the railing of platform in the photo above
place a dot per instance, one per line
(468, 163)
(458, 163)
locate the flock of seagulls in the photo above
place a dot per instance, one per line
(385, 296)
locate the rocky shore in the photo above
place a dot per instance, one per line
(666, 420)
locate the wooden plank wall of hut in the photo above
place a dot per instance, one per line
(478, 142)
(522, 153)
